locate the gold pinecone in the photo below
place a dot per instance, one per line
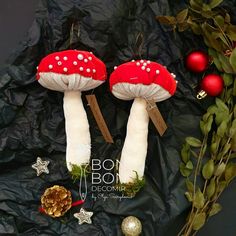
(56, 201)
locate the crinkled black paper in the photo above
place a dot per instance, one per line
(32, 120)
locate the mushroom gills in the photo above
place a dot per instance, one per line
(60, 82)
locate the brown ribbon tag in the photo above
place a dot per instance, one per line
(92, 102)
(156, 117)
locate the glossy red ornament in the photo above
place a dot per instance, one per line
(197, 61)
(211, 85)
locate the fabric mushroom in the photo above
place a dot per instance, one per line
(140, 80)
(72, 72)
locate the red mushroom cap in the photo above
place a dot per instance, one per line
(73, 62)
(151, 78)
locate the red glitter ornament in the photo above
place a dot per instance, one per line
(211, 85)
(197, 61)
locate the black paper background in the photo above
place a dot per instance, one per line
(32, 120)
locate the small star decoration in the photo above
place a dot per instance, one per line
(84, 216)
(41, 166)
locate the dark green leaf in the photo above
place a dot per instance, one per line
(216, 208)
(230, 172)
(225, 63)
(234, 88)
(206, 116)
(214, 148)
(221, 105)
(194, 154)
(208, 169)
(224, 40)
(215, 3)
(233, 143)
(211, 188)
(227, 18)
(212, 41)
(212, 109)
(189, 196)
(189, 165)
(233, 155)
(185, 153)
(221, 116)
(220, 169)
(182, 16)
(202, 126)
(228, 79)
(189, 185)
(169, 20)
(209, 124)
(195, 5)
(195, 27)
(231, 32)
(226, 148)
(206, 8)
(199, 2)
(199, 221)
(185, 171)
(222, 129)
(194, 142)
(183, 26)
(221, 186)
(219, 21)
(216, 61)
(232, 59)
(199, 199)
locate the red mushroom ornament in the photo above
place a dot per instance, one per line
(72, 72)
(140, 80)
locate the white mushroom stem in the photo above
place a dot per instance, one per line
(134, 151)
(78, 139)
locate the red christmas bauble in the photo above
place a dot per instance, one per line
(197, 61)
(212, 84)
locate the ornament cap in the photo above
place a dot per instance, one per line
(201, 94)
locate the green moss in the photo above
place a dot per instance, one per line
(132, 188)
(80, 171)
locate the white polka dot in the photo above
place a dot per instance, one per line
(133, 60)
(145, 64)
(138, 64)
(65, 58)
(81, 68)
(90, 58)
(173, 75)
(50, 67)
(148, 69)
(80, 57)
(65, 69)
(148, 62)
(94, 71)
(37, 67)
(142, 61)
(88, 70)
(115, 67)
(59, 63)
(57, 58)
(157, 72)
(75, 63)
(85, 60)
(91, 52)
(143, 67)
